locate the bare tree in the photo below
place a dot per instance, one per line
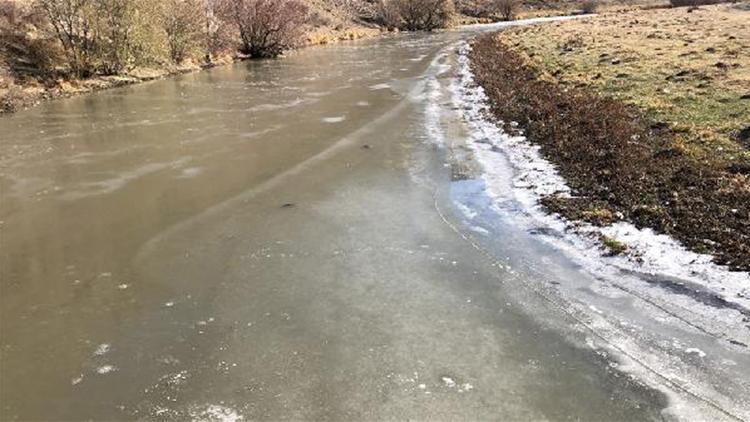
(589, 6)
(218, 33)
(182, 21)
(352, 8)
(266, 27)
(96, 35)
(72, 24)
(115, 24)
(388, 14)
(477, 8)
(506, 9)
(417, 15)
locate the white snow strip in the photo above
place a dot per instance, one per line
(336, 119)
(379, 87)
(434, 95)
(696, 351)
(190, 172)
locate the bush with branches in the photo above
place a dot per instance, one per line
(183, 24)
(589, 6)
(218, 34)
(416, 15)
(73, 25)
(505, 9)
(266, 27)
(476, 8)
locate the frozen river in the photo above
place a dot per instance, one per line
(312, 238)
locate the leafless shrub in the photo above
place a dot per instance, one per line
(102, 36)
(114, 24)
(182, 21)
(387, 14)
(266, 27)
(692, 3)
(352, 8)
(589, 6)
(506, 9)
(218, 33)
(476, 8)
(417, 15)
(24, 53)
(73, 26)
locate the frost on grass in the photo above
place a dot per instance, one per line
(379, 87)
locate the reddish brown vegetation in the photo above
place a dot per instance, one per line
(266, 27)
(416, 15)
(616, 160)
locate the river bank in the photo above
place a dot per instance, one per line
(16, 95)
(623, 163)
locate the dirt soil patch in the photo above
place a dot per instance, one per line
(620, 161)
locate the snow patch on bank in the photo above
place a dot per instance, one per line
(434, 96)
(534, 177)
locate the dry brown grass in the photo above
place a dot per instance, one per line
(534, 8)
(689, 70)
(637, 111)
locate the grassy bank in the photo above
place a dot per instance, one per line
(643, 114)
(690, 70)
(543, 8)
